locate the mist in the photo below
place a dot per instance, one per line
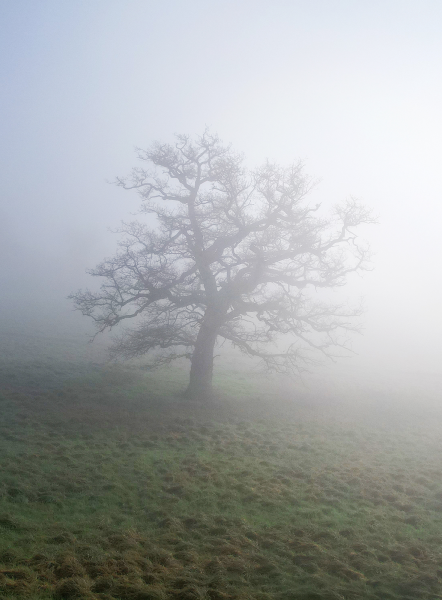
(353, 90)
(116, 483)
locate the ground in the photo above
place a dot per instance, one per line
(114, 488)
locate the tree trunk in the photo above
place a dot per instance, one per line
(201, 370)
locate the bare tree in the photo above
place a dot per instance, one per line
(235, 255)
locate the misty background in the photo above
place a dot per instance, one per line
(354, 89)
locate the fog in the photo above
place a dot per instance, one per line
(351, 88)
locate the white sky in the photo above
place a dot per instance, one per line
(352, 87)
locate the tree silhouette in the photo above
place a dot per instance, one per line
(236, 254)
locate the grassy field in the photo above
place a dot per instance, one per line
(114, 488)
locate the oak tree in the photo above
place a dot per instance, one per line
(235, 254)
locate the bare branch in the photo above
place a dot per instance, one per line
(235, 254)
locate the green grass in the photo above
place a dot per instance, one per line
(115, 488)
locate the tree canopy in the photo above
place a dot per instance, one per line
(235, 254)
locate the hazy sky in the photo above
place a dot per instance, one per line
(352, 87)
